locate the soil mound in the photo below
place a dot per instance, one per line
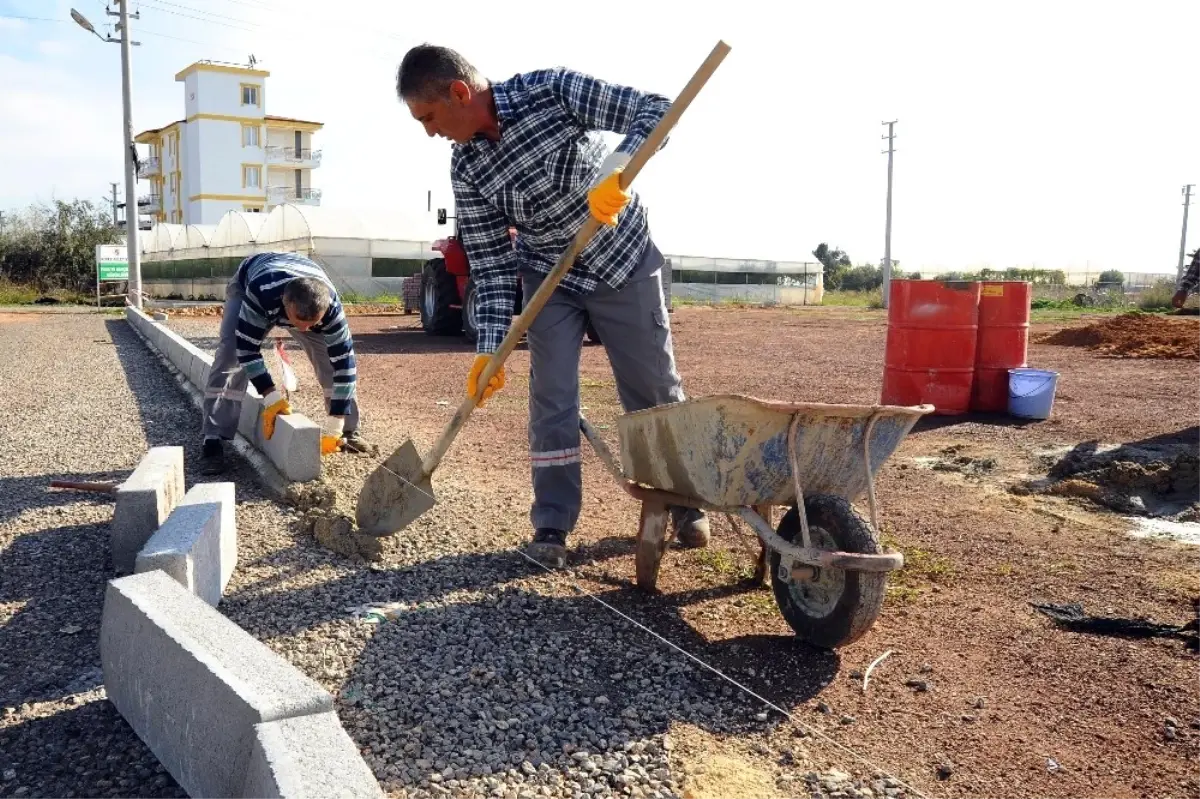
(1133, 335)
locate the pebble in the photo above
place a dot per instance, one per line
(824, 708)
(921, 686)
(848, 720)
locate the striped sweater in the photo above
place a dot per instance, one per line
(262, 278)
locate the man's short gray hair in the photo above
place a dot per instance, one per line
(308, 297)
(427, 70)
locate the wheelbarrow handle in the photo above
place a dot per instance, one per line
(522, 323)
(602, 451)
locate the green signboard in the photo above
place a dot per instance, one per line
(112, 262)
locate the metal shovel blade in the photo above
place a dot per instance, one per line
(395, 494)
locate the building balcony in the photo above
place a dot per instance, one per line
(290, 156)
(278, 195)
(149, 203)
(148, 167)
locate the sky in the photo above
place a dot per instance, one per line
(1052, 135)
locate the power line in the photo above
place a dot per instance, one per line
(156, 7)
(32, 19)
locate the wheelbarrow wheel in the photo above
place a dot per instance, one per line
(836, 606)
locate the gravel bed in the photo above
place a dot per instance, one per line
(486, 678)
(489, 678)
(88, 401)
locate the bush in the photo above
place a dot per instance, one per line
(861, 278)
(1157, 297)
(54, 246)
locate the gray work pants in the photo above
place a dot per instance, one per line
(227, 380)
(634, 328)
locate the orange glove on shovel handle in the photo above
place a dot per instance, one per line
(494, 385)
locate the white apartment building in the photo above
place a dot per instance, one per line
(227, 153)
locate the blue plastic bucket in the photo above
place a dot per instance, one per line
(1031, 392)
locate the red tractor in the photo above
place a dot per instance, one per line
(445, 293)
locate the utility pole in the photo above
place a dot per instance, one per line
(114, 203)
(134, 252)
(134, 255)
(887, 236)
(1187, 200)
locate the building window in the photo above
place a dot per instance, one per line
(251, 176)
(250, 136)
(250, 94)
(252, 209)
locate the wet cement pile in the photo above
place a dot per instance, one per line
(1157, 478)
(333, 526)
(1133, 335)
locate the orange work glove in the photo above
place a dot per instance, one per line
(606, 198)
(494, 385)
(273, 405)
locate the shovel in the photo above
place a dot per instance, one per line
(400, 490)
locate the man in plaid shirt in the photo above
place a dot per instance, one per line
(1189, 281)
(525, 155)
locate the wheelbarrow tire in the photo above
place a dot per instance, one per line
(849, 612)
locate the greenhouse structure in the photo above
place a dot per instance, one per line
(369, 254)
(366, 255)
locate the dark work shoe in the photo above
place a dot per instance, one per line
(354, 442)
(212, 457)
(548, 547)
(691, 527)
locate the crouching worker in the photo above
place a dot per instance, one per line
(276, 289)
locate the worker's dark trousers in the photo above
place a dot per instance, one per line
(634, 327)
(227, 379)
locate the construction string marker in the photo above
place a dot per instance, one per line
(810, 730)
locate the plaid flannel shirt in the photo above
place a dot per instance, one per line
(536, 179)
(1191, 277)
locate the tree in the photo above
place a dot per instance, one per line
(862, 278)
(54, 246)
(1112, 278)
(834, 262)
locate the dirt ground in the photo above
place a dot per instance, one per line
(982, 696)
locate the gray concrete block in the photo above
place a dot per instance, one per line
(248, 421)
(295, 448)
(192, 684)
(144, 501)
(225, 496)
(309, 757)
(197, 545)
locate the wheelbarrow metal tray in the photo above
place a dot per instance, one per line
(731, 450)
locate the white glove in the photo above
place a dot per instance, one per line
(614, 162)
(333, 426)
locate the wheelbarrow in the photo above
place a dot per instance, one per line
(743, 456)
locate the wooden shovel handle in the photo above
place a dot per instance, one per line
(589, 228)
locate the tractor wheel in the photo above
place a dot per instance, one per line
(438, 293)
(835, 606)
(470, 312)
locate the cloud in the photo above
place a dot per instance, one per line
(53, 48)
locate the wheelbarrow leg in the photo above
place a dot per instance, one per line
(761, 567)
(652, 542)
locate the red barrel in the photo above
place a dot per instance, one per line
(933, 330)
(1003, 340)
